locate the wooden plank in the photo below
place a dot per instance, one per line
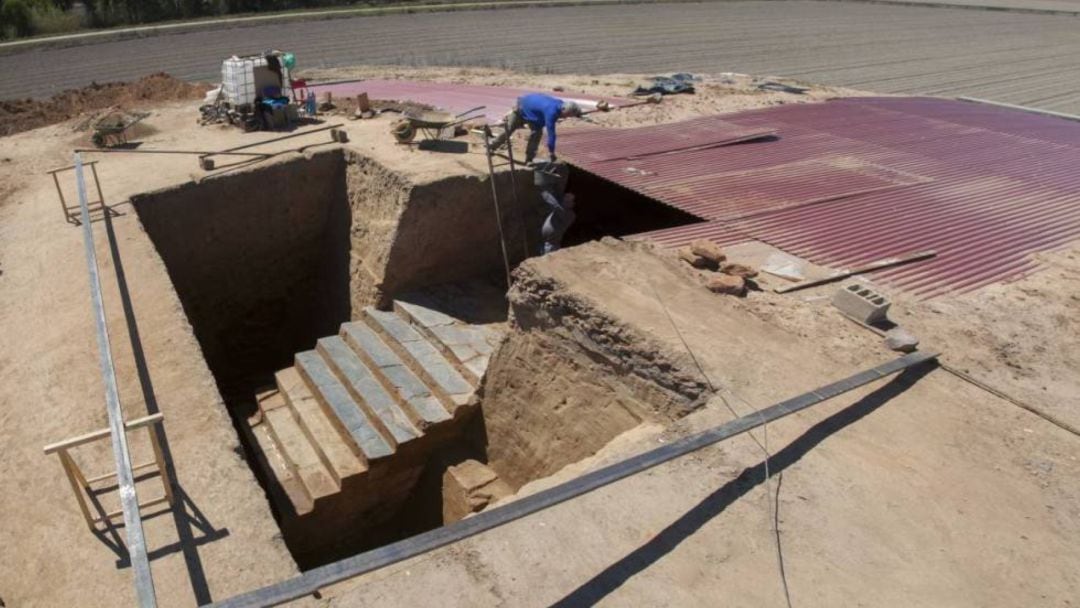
(843, 274)
(134, 469)
(70, 167)
(145, 505)
(71, 471)
(101, 434)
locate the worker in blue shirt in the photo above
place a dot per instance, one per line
(540, 112)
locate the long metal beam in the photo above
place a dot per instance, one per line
(313, 580)
(1013, 106)
(129, 501)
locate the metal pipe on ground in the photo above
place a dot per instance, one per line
(313, 580)
(129, 501)
(189, 152)
(1011, 106)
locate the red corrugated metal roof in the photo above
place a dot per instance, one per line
(850, 181)
(452, 97)
(599, 144)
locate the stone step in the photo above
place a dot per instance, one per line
(423, 406)
(348, 419)
(270, 458)
(366, 390)
(336, 455)
(468, 347)
(303, 460)
(420, 355)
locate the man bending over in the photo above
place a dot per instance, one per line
(540, 112)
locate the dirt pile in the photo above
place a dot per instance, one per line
(18, 115)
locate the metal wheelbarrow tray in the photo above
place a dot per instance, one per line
(111, 130)
(433, 124)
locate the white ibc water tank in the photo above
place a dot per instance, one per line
(238, 79)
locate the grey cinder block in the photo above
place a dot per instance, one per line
(862, 303)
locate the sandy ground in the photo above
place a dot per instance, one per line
(223, 539)
(1017, 338)
(920, 491)
(940, 495)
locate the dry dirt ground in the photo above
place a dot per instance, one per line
(941, 495)
(18, 115)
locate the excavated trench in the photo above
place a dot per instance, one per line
(268, 261)
(607, 209)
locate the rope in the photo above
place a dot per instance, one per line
(764, 446)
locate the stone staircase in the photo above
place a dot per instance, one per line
(343, 437)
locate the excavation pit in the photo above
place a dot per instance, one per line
(350, 312)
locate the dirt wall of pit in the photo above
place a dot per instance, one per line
(570, 377)
(408, 234)
(260, 259)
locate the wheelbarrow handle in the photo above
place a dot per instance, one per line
(476, 109)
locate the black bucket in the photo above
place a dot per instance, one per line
(551, 176)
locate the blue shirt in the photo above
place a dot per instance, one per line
(541, 111)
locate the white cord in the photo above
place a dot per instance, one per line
(769, 496)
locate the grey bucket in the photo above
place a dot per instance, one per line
(551, 176)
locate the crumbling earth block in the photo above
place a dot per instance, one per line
(739, 270)
(708, 250)
(862, 304)
(697, 261)
(727, 284)
(469, 487)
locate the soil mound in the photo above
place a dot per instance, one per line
(20, 115)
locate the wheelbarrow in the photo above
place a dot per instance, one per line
(432, 123)
(111, 130)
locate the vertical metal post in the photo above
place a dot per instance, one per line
(495, 200)
(129, 501)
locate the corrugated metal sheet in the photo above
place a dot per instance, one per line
(452, 97)
(599, 144)
(850, 181)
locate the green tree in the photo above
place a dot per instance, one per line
(16, 17)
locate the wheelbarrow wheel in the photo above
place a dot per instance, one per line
(99, 140)
(403, 131)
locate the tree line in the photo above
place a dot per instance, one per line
(20, 18)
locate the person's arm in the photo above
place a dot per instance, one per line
(552, 201)
(550, 117)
